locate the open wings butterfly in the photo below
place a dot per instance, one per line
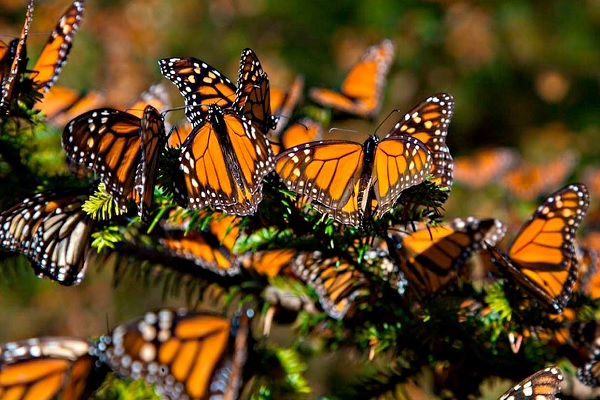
(433, 256)
(542, 255)
(121, 149)
(338, 175)
(53, 231)
(362, 90)
(194, 355)
(48, 368)
(225, 158)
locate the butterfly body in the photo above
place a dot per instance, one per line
(542, 255)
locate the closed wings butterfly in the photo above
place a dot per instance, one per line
(184, 354)
(225, 158)
(211, 248)
(202, 85)
(543, 385)
(431, 257)
(121, 149)
(542, 255)
(13, 61)
(336, 282)
(53, 231)
(361, 92)
(48, 368)
(338, 175)
(301, 131)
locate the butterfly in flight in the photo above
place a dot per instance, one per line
(226, 156)
(543, 385)
(526, 181)
(49, 368)
(484, 166)
(343, 177)
(13, 61)
(361, 92)
(542, 255)
(432, 257)
(121, 149)
(52, 231)
(195, 355)
(336, 282)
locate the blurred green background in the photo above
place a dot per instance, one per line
(524, 74)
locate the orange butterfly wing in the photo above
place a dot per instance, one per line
(328, 172)
(432, 257)
(429, 122)
(17, 58)
(61, 104)
(484, 166)
(361, 91)
(542, 256)
(199, 84)
(55, 52)
(48, 367)
(223, 163)
(543, 385)
(302, 131)
(336, 282)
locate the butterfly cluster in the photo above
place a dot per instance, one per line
(246, 193)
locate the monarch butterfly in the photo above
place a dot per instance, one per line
(202, 85)
(432, 257)
(362, 90)
(53, 231)
(48, 368)
(542, 256)
(528, 180)
(336, 282)
(284, 103)
(122, 149)
(339, 175)
(484, 166)
(195, 355)
(543, 385)
(56, 50)
(13, 60)
(299, 132)
(226, 156)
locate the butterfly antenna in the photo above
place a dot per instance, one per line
(334, 129)
(385, 119)
(164, 113)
